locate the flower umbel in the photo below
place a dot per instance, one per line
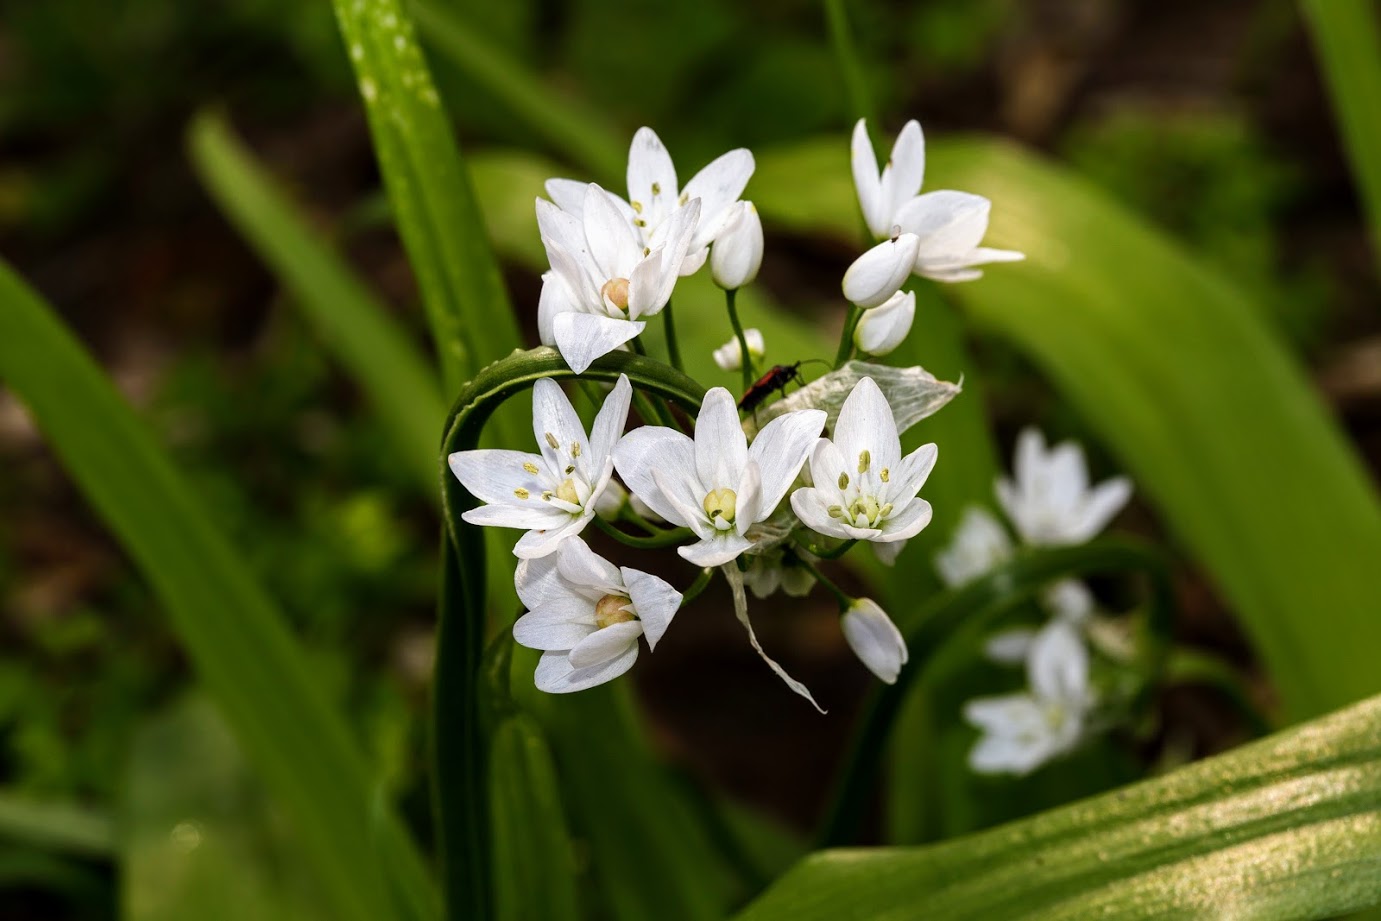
(553, 494)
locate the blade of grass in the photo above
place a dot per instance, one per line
(234, 636)
(55, 826)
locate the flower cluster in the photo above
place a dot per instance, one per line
(1050, 503)
(760, 489)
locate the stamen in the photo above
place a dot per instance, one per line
(865, 460)
(843, 481)
(521, 493)
(886, 475)
(836, 511)
(566, 492)
(637, 206)
(656, 188)
(530, 467)
(551, 440)
(575, 449)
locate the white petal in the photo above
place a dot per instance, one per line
(1058, 664)
(882, 329)
(979, 544)
(613, 246)
(581, 566)
(867, 181)
(554, 299)
(984, 255)
(581, 290)
(738, 248)
(540, 542)
(905, 169)
(1070, 599)
(556, 675)
(1102, 505)
(910, 474)
(826, 463)
(715, 550)
(554, 420)
(645, 284)
(1009, 647)
(496, 475)
(717, 186)
(656, 448)
(655, 601)
(679, 239)
(721, 448)
(879, 273)
(735, 579)
(950, 224)
(568, 194)
(609, 422)
(560, 626)
(781, 449)
(563, 228)
(875, 639)
(906, 523)
(888, 551)
(750, 499)
(866, 423)
(605, 645)
(694, 261)
(539, 583)
(729, 356)
(651, 176)
(514, 516)
(581, 338)
(812, 507)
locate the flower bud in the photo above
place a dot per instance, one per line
(879, 273)
(874, 639)
(883, 328)
(729, 356)
(737, 252)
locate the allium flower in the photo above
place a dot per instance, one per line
(737, 252)
(554, 494)
(653, 199)
(874, 639)
(717, 485)
(1050, 501)
(729, 356)
(603, 278)
(883, 328)
(949, 226)
(980, 543)
(1023, 731)
(864, 489)
(587, 614)
(881, 271)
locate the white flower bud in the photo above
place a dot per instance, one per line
(729, 356)
(874, 639)
(736, 254)
(883, 328)
(879, 273)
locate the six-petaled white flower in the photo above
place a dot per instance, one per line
(737, 252)
(1049, 499)
(717, 485)
(883, 328)
(1023, 731)
(586, 615)
(863, 488)
(603, 277)
(874, 639)
(654, 199)
(729, 356)
(553, 494)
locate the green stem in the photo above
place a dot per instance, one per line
(846, 338)
(693, 591)
(841, 596)
(1193, 666)
(668, 538)
(832, 553)
(673, 348)
(970, 608)
(730, 298)
(850, 68)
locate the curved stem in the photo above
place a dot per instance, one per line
(673, 348)
(730, 298)
(831, 553)
(693, 591)
(1194, 666)
(846, 338)
(668, 538)
(841, 596)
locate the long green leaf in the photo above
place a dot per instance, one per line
(1348, 42)
(1289, 827)
(236, 639)
(356, 326)
(1185, 382)
(55, 826)
(433, 200)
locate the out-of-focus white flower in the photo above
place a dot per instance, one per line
(864, 489)
(736, 254)
(729, 356)
(1023, 731)
(603, 278)
(553, 494)
(1071, 600)
(881, 271)
(768, 572)
(882, 195)
(980, 543)
(883, 328)
(717, 485)
(874, 639)
(610, 503)
(644, 511)
(1049, 499)
(586, 615)
(653, 197)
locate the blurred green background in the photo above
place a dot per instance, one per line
(1209, 120)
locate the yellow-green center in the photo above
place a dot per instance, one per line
(721, 505)
(611, 610)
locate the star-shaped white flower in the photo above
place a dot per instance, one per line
(586, 615)
(553, 494)
(863, 488)
(948, 225)
(654, 198)
(1023, 731)
(603, 278)
(717, 485)
(1049, 499)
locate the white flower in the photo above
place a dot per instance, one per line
(949, 225)
(879, 273)
(603, 278)
(737, 252)
(717, 485)
(1050, 501)
(874, 639)
(554, 494)
(864, 489)
(586, 615)
(768, 572)
(883, 328)
(653, 198)
(980, 544)
(1023, 731)
(729, 356)
(1070, 599)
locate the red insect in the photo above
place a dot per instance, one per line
(777, 377)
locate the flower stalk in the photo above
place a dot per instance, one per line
(730, 297)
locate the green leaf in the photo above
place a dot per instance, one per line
(354, 323)
(1348, 43)
(55, 826)
(236, 639)
(1289, 827)
(433, 200)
